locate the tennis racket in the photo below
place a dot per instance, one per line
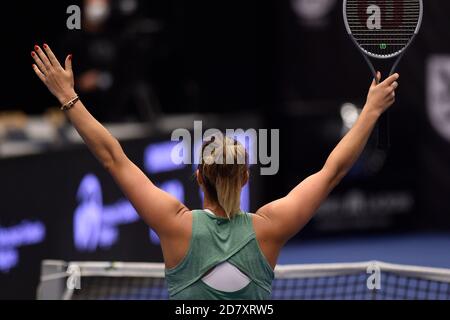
(382, 30)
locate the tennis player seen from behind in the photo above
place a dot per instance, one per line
(219, 252)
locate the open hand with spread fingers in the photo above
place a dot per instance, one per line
(59, 80)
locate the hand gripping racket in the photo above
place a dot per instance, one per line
(383, 29)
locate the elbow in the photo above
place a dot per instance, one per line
(335, 173)
(113, 155)
(108, 164)
(338, 178)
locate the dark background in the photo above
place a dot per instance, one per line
(225, 47)
(232, 57)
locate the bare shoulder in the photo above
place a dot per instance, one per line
(264, 224)
(260, 224)
(268, 244)
(176, 241)
(183, 221)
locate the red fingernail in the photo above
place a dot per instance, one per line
(45, 46)
(33, 54)
(70, 56)
(36, 48)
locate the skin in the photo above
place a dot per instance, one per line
(274, 223)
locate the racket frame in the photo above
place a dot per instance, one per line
(383, 128)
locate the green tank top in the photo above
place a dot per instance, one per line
(216, 240)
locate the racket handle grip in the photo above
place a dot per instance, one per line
(384, 139)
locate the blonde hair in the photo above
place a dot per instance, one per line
(223, 167)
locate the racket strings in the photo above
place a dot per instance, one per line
(391, 30)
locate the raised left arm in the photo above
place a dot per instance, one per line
(158, 209)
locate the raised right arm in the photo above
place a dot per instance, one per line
(282, 219)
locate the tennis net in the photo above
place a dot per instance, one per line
(343, 281)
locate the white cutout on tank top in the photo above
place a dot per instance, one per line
(225, 276)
